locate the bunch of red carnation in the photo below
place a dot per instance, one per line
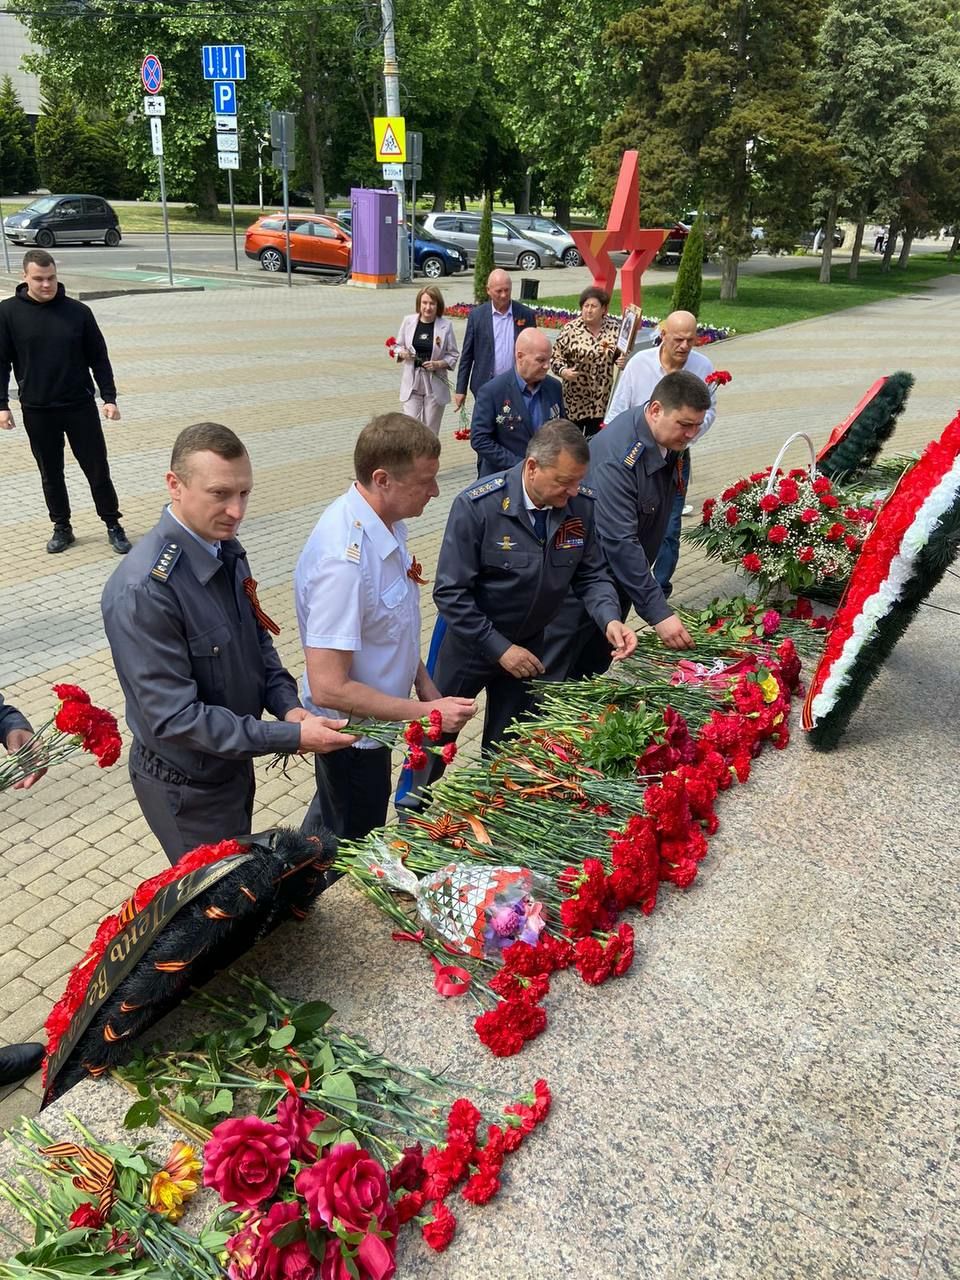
(590, 904)
(523, 980)
(391, 344)
(95, 728)
(418, 733)
(465, 1157)
(610, 955)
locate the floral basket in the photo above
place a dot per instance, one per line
(794, 531)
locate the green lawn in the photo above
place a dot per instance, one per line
(780, 297)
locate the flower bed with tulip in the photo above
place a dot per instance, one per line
(804, 533)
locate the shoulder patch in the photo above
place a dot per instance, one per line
(351, 551)
(170, 553)
(488, 486)
(630, 460)
(586, 492)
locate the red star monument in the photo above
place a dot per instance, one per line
(623, 231)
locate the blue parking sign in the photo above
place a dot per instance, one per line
(224, 97)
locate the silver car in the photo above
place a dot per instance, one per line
(547, 232)
(510, 248)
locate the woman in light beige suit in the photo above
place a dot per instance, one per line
(428, 352)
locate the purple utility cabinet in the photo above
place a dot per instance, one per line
(374, 231)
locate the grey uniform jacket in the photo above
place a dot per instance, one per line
(196, 668)
(496, 586)
(635, 487)
(10, 719)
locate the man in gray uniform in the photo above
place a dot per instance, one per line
(514, 544)
(634, 465)
(194, 656)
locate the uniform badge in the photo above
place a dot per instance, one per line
(506, 543)
(631, 459)
(168, 557)
(571, 534)
(505, 504)
(488, 486)
(352, 552)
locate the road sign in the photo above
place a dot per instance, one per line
(391, 171)
(283, 127)
(156, 135)
(390, 137)
(151, 73)
(224, 98)
(225, 124)
(283, 159)
(228, 159)
(412, 172)
(155, 106)
(224, 61)
(414, 147)
(228, 142)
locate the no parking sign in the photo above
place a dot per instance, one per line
(151, 73)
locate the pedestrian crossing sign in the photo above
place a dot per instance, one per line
(390, 138)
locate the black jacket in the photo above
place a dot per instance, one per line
(52, 347)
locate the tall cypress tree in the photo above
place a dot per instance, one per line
(484, 263)
(688, 286)
(18, 168)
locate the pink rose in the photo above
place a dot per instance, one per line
(296, 1121)
(347, 1184)
(245, 1160)
(373, 1260)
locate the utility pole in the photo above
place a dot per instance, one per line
(391, 89)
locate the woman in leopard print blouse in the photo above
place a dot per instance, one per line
(584, 357)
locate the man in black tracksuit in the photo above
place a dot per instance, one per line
(53, 342)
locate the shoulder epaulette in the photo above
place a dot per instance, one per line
(351, 552)
(488, 486)
(170, 553)
(630, 459)
(586, 492)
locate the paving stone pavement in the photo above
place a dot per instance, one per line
(297, 374)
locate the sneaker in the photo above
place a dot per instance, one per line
(687, 510)
(117, 539)
(62, 538)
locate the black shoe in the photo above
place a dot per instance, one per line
(17, 1061)
(62, 538)
(118, 539)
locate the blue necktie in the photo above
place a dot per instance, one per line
(540, 525)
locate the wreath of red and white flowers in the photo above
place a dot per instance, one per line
(887, 563)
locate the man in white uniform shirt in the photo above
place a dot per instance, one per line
(678, 333)
(358, 610)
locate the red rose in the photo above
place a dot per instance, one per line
(809, 514)
(777, 533)
(245, 1160)
(752, 563)
(732, 515)
(769, 502)
(296, 1121)
(254, 1256)
(805, 555)
(439, 1232)
(347, 1184)
(407, 1173)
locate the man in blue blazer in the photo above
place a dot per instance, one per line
(492, 329)
(511, 409)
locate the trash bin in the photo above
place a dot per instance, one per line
(529, 289)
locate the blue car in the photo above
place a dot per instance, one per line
(433, 257)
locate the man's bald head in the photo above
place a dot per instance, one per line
(499, 288)
(533, 356)
(679, 337)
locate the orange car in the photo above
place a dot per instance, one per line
(315, 241)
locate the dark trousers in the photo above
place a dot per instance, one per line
(574, 647)
(669, 553)
(353, 790)
(80, 424)
(184, 814)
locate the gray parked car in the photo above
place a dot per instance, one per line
(510, 248)
(76, 219)
(547, 232)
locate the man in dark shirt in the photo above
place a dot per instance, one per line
(53, 342)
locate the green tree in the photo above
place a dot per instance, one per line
(18, 168)
(886, 74)
(722, 113)
(688, 286)
(484, 261)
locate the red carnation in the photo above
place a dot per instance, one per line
(71, 693)
(463, 1119)
(821, 485)
(413, 733)
(788, 491)
(481, 1188)
(732, 515)
(777, 533)
(851, 542)
(708, 509)
(835, 533)
(435, 732)
(440, 1230)
(805, 555)
(416, 760)
(449, 752)
(409, 1206)
(751, 562)
(809, 515)
(769, 502)
(829, 501)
